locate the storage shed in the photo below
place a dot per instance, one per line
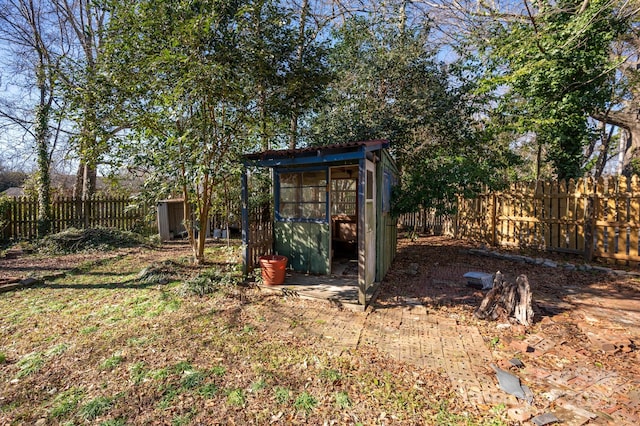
(170, 215)
(331, 206)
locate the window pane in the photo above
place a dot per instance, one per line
(310, 194)
(303, 195)
(288, 194)
(314, 178)
(313, 210)
(343, 196)
(343, 185)
(289, 210)
(288, 180)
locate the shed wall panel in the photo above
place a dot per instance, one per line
(387, 224)
(163, 221)
(306, 245)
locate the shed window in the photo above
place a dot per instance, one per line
(388, 184)
(303, 195)
(344, 193)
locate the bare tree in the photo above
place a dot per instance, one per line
(83, 22)
(625, 110)
(28, 30)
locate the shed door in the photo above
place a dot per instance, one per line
(367, 230)
(370, 224)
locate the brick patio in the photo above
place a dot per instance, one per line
(409, 332)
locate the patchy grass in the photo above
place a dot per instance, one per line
(66, 402)
(342, 400)
(305, 402)
(29, 364)
(112, 362)
(236, 398)
(282, 395)
(95, 408)
(123, 346)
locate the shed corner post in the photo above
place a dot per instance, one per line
(362, 282)
(245, 222)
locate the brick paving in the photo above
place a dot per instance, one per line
(412, 335)
(407, 333)
(564, 381)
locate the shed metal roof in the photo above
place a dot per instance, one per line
(318, 151)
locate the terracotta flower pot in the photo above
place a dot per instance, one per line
(273, 269)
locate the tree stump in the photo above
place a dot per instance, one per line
(507, 300)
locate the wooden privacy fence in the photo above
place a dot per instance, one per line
(20, 217)
(427, 221)
(595, 218)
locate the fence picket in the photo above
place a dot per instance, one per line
(66, 212)
(599, 218)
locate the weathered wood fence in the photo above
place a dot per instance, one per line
(427, 221)
(20, 215)
(597, 218)
(260, 233)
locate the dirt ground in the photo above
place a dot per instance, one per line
(583, 348)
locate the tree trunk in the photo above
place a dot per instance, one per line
(293, 129)
(293, 124)
(43, 111)
(85, 185)
(507, 300)
(628, 119)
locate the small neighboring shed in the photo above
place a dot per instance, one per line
(170, 215)
(332, 204)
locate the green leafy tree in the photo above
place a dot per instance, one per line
(189, 74)
(553, 69)
(288, 70)
(85, 89)
(389, 85)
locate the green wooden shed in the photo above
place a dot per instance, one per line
(331, 204)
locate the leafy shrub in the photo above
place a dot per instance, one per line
(87, 240)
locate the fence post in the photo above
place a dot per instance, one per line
(589, 219)
(456, 222)
(86, 206)
(246, 249)
(8, 207)
(494, 219)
